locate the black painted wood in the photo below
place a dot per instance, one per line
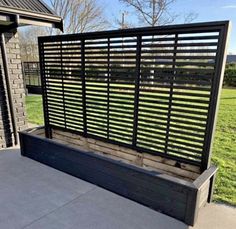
(148, 88)
(172, 196)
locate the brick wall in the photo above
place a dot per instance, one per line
(17, 84)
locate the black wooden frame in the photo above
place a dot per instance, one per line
(221, 27)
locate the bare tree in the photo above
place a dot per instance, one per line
(155, 12)
(29, 42)
(190, 17)
(80, 15)
(122, 23)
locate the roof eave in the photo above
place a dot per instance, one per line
(32, 18)
(41, 22)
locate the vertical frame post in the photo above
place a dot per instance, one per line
(137, 83)
(108, 88)
(171, 94)
(62, 84)
(215, 95)
(83, 85)
(48, 131)
(28, 67)
(37, 72)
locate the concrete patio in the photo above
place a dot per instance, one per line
(35, 196)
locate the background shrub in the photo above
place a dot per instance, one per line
(230, 75)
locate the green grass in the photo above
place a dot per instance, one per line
(34, 109)
(224, 149)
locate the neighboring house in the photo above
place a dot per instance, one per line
(231, 59)
(13, 14)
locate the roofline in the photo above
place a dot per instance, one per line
(48, 7)
(11, 10)
(33, 18)
(38, 22)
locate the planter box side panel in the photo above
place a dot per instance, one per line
(150, 190)
(202, 194)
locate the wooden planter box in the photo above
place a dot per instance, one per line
(170, 195)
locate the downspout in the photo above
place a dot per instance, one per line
(8, 87)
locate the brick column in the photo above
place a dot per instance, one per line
(17, 84)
